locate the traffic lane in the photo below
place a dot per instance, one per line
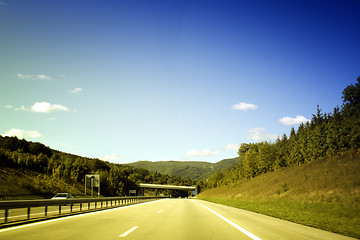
(271, 228)
(18, 214)
(108, 224)
(163, 219)
(186, 219)
(167, 219)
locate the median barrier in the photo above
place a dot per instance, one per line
(22, 211)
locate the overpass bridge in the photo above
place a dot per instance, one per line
(143, 186)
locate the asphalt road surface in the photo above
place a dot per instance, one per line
(167, 219)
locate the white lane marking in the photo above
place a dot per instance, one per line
(129, 231)
(249, 234)
(74, 216)
(159, 211)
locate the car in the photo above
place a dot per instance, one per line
(63, 196)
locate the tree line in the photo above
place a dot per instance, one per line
(326, 135)
(115, 179)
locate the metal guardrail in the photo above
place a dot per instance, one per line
(62, 206)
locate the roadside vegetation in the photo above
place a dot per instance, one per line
(323, 194)
(311, 177)
(32, 170)
(187, 169)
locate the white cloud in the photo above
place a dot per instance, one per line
(259, 134)
(22, 108)
(22, 133)
(34, 77)
(41, 107)
(76, 90)
(3, 3)
(33, 134)
(204, 153)
(43, 77)
(45, 107)
(244, 106)
(293, 121)
(112, 157)
(232, 146)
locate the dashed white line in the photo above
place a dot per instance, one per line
(74, 216)
(247, 233)
(129, 231)
(159, 211)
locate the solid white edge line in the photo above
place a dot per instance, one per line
(129, 231)
(74, 216)
(249, 234)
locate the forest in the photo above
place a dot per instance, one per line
(55, 166)
(325, 136)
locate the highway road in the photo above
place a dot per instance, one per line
(168, 219)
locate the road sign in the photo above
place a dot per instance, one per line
(94, 178)
(94, 181)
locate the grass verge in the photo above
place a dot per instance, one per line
(331, 217)
(324, 194)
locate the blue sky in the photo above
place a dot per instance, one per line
(170, 80)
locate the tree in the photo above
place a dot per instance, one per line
(351, 99)
(244, 147)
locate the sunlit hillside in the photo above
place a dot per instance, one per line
(187, 169)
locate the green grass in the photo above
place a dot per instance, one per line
(340, 219)
(324, 194)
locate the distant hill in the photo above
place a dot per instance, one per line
(187, 169)
(31, 170)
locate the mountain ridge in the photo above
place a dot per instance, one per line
(195, 170)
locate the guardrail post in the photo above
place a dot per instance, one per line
(27, 205)
(6, 215)
(28, 213)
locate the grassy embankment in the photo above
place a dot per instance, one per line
(24, 184)
(324, 194)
